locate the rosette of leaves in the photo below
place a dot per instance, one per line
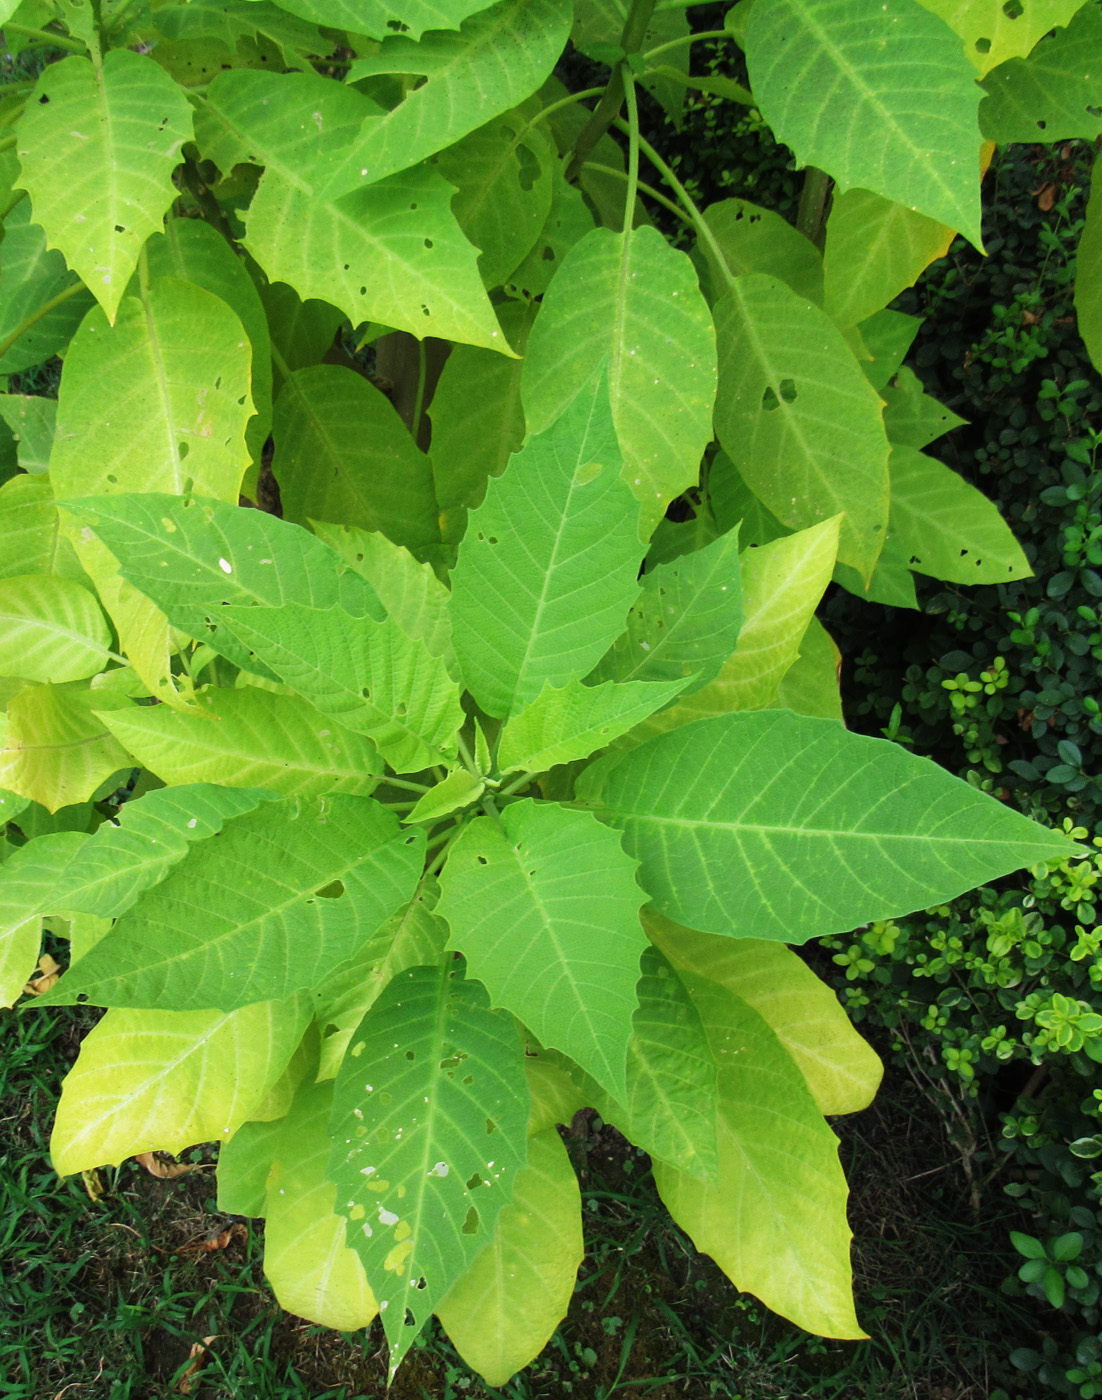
(485, 773)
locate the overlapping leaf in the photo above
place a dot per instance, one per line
(753, 239)
(1053, 95)
(913, 418)
(798, 418)
(249, 738)
(54, 749)
(633, 301)
(381, 18)
(994, 33)
(31, 419)
(810, 686)
(98, 148)
(429, 1130)
(51, 630)
(547, 569)
(288, 891)
(29, 539)
(826, 73)
(41, 301)
(735, 819)
(1088, 283)
(545, 908)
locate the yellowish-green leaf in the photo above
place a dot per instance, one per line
(810, 685)
(993, 31)
(37, 292)
(1053, 95)
(51, 630)
(31, 419)
(458, 789)
(19, 947)
(55, 749)
(30, 542)
(753, 239)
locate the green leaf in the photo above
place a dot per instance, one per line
(785, 371)
(827, 73)
(313, 1272)
(1088, 282)
(994, 33)
(913, 418)
(842, 1071)
(874, 250)
(458, 789)
(51, 630)
(1054, 94)
(234, 24)
(630, 299)
(562, 725)
(368, 675)
(782, 583)
(31, 419)
(19, 947)
(567, 223)
(810, 685)
(332, 870)
(598, 27)
(773, 800)
(545, 908)
(500, 57)
(686, 622)
(342, 453)
(946, 527)
(379, 19)
(162, 1081)
(391, 253)
(547, 569)
(504, 174)
(753, 239)
(180, 359)
(249, 738)
(888, 335)
(98, 148)
(193, 251)
(55, 750)
(501, 1313)
(413, 596)
(41, 302)
(892, 582)
(244, 1161)
(430, 1111)
(774, 1220)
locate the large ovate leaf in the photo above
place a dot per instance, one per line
(572, 722)
(429, 1130)
(547, 569)
(289, 891)
(887, 336)
(810, 686)
(98, 148)
(54, 749)
(946, 527)
(368, 675)
(313, 1272)
(381, 18)
(782, 582)
(1054, 94)
(545, 907)
(342, 453)
(994, 32)
(148, 1081)
(686, 622)
(41, 301)
(500, 1314)
(735, 820)
(499, 58)
(1088, 283)
(633, 301)
(753, 239)
(391, 253)
(774, 1220)
(19, 947)
(842, 1071)
(30, 542)
(51, 630)
(874, 250)
(827, 73)
(913, 418)
(249, 738)
(785, 372)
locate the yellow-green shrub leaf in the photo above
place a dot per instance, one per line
(994, 32)
(55, 749)
(38, 292)
(1055, 93)
(810, 685)
(753, 239)
(51, 630)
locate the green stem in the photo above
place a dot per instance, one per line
(405, 784)
(648, 190)
(687, 39)
(516, 785)
(665, 5)
(8, 142)
(553, 107)
(442, 854)
(95, 49)
(467, 757)
(608, 109)
(811, 217)
(398, 806)
(45, 36)
(144, 286)
(43, 310)
(633, 147)
(422, 378)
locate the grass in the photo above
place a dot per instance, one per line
(108, 1299)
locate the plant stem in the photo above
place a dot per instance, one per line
(633, 147)
(419, 401)
(45, 36)
(43, 310)
(687, 39)
(516, 785)
(811, 217)
(442, 854)
(608, 109)
(467, 757)
(648, 190)
(406, 784)
(8, 142)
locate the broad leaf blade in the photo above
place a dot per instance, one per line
(753, 239)
(775, 825)
(51, 630)
(810, 686)
(545, 908)
(547, 569)
(310, 882)
(150, 1081)
(994, 33)
(913, 418)
(98, 150)
(429, 1124)
(1088, 283)
(32, 420)
(826, 73)
(54, 749)
(30, 542)
(38, 292)
(1055, 93)
(501, 1313)
(630, 299)
(382, 18)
